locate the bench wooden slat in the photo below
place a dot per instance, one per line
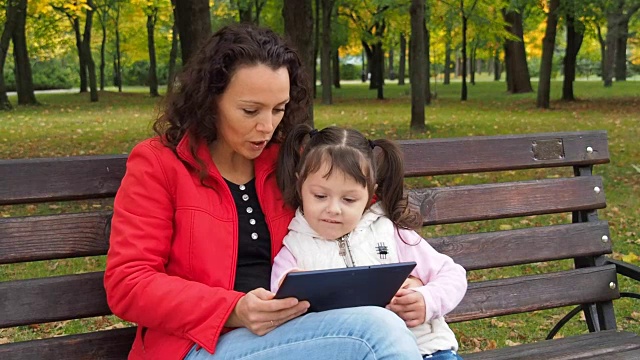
(599, 345)
(523, 246)
(83, 177)
(536, 292)
(502, 200)
(52, 179)
(101, 345)
(503, 152)
(56, 298)
(54, 236)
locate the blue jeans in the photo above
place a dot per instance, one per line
(443, 355)
(367, 333)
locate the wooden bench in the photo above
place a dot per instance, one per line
(590, 283)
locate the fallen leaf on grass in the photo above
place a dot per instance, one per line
(511, 343)
(630, 257)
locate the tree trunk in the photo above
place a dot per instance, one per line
(336, 68)
(245, 11)
(153, 75)
(613, 29)
(546, 63)
(173, 56)
(88, 56)
(392, 71)
(117, 66)
(84, 83)
(402, 64)
(472, 65)
(316, 48)
(517, 71)
(620, 69)
(497, 68)
(325, 54)
(463, 95)
(24, 79)
(447, 63)
(427, 67)
(603, 47)
(5, 40)
(194, 25)
(417, 72)
(103, 46)
(298, 26)
(377, 74)
(574, 42)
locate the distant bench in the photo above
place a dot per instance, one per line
(591, 284)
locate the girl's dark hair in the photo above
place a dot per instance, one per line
(346, 150)
(190, 109)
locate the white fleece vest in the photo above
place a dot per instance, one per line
(372, 232)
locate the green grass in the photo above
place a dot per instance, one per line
(68, 124)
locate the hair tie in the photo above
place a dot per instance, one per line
(371, 143)
(313, 132)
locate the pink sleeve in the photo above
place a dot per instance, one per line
(282, 265)
(445, 281)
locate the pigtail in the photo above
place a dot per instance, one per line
(288, 161)
(390, 191)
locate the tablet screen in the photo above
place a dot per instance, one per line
(329, 289)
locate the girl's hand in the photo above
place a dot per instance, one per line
(259, 312)
(411, 282)
(410, 306)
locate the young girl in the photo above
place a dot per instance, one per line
(352, 211)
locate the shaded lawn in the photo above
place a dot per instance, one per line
(67, 124)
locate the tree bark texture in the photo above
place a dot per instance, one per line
(24, 79)
(575, 35)
(427, 65)
(103, 46)
(194, 25)
(620, 69)
(613, 20)
(335, 68)
(465, 20)
(153, 75)
(546, 63)
(417, 72)
(88, 56)
(517, 71)
(173, 56)
(5, 40)
(316, 48)
(325, 53)
(402, 60)
(298, 27)
(497, 68)
(84, 83)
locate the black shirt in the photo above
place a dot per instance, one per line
(253, 266)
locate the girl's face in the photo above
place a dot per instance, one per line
(332, 205)
(249, 111)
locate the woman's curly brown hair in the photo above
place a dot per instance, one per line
(190, 108)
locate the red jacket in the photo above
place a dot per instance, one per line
(173, 247)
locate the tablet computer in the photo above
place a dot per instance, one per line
(346, 287)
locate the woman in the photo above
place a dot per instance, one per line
(199, 218)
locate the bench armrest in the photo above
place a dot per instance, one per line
(626, 269)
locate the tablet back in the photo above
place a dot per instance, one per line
(346, 287)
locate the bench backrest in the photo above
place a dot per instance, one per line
(574, 191)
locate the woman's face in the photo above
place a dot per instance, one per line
(249, 110)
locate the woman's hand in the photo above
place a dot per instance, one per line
(259, 312)
(409, 304)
